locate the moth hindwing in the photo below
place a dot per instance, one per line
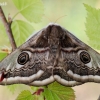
(52, 54)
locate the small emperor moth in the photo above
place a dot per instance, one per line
(52, 54)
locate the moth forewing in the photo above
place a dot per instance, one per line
(87, 71)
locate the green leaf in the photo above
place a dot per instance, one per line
(56, 91)
(12, 88)
(34, 88)
(4, 40)
(21, 31)
(32, 10)
(2, 55)
(93, 26)
(25, 95)
(2, 28)
(38, 97)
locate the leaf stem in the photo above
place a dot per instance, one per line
(15, 15)
(39, 91)
(7, 26)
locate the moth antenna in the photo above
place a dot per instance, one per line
(59, 18)
(47, 18)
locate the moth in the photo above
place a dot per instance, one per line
(52, 54)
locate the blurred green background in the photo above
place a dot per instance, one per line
(74, 21)
(53, 9)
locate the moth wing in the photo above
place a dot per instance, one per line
(62, 77)
(11, 72)
(82, 63)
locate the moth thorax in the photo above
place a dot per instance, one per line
(53, 42)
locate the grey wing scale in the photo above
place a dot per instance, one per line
(63, 78)
(85, 72)
(45, 79)
(58, 75)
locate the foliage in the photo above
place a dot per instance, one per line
(56, 91)
(32, 10)
(21, 30)
(12, 88)
(25, 95)
(93, 26)
(2, 55)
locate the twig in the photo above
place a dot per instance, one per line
(7, 26)
(44, 98)
(98, 98)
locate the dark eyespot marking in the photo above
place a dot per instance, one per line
(23, 58)
(85, 57)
